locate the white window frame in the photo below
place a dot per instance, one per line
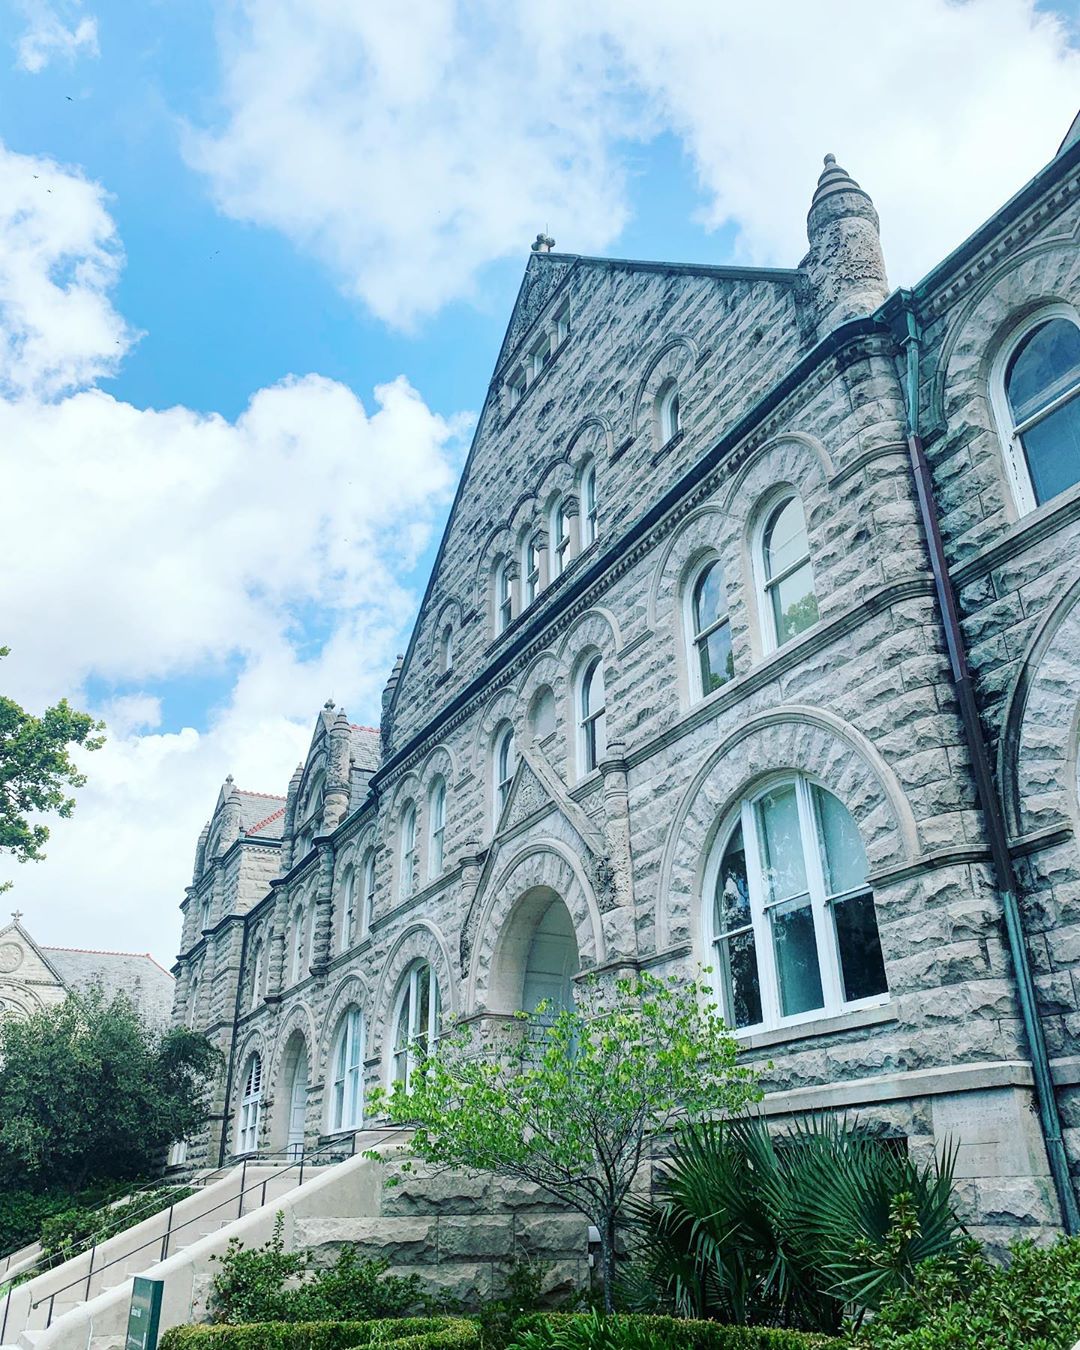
(1016, 467)
(312, 925)
(249, 1117)
(668, 412)
(368, 900)
(516, 386)
(408, 850)
(402, 1064)
(346, 1109)
(590, 518)
(530, 569)
(562, 325)
(193, 999)
(589, 719)
(559, 534)
(504, 596)
(695, 637)
(204, 915)
(770, 637)
(503, 768)
(828, 951)
(437, 828)
(540, 355)
(348, 910)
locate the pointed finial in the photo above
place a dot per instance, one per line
(329, 705)
(830, 159)
(543, 243)
(228, 778)
(16, 914)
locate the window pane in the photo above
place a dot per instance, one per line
(732, 900)
(795, 946)
(862, 966)
(717, 662)
(785, 538)
(401, 1034)
(781, 843)
(710, 602)
(1052, 450)
(794, 603)
(594, 690)
(1044, 366)
(842, 856)
(742, 994)
(423, 993)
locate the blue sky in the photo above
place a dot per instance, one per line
(301, 229)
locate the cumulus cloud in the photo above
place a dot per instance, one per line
(409, 145)
(145, 547)
(47, 36)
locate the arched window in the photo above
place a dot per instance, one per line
(204, 914)
(348, 910)
(531, 568)
(710, 629)
(250, 1106)
(793, 923)
(560, 537)
(437, 827)
(667, 412)
(347, 1076)
(296, 964)
(542, 713)
(593, 715)
(505, 763)
(504, 596)
(369, 891)
(257, 961)
(408, 850)
(787, 573)
(1037, 395)
(589, 513)
(416, 1021)
(446, 649)
(312, 926)
(193, 999)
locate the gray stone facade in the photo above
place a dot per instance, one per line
(786, 380)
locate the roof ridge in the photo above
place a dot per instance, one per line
(356, 726)
(272, 796)
(254, 829)
(97, 951)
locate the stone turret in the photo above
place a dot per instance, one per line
(336, 799)
(387, 700)
(231, 816)
(200, 852)
(845, 265)
(289, 823)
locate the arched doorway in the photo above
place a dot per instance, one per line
(537, 956)
(297, 1074)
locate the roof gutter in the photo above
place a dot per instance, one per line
(985, 788)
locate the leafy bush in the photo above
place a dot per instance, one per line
(525, 1280)
(269, 1284)
(403, 1333)
(964, 1302)
(81, 1225)
(23, 1213)
(630, 1331)
(788, 1229)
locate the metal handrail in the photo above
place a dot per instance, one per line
(305, 1159)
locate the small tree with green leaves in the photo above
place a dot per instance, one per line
(37, 771)
(570, 1102)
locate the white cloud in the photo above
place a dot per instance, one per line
(47, 36)
(160, 545)
(410, 145)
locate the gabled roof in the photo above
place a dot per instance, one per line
(261, 812)
(135, 974)
(366, 749)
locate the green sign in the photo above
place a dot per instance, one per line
(144, 1314)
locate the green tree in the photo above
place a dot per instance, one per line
(37, 772)
(570, 1102)
(88, 1092)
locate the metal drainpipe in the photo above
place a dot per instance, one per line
(989, 802)
(226, 1118)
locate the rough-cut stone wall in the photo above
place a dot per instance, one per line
(861, 702)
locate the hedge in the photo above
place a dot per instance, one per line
(402, 1333)
(665, 1333)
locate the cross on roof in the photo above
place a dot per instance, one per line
(16, 914)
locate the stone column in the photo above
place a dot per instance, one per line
(845, 265)
(277, 946)
(620, 933)
(324, 908)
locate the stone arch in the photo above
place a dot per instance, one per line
(440, 760)
(253, 1043)
(421, 941)
(674, 361)
(299, 1019)
(295, 1047)
(543, 671)
(797, 739)
(597, 628)
(351, 991)
(1037, 753)
(544, 867)
(449, 612)
(700, 538)
(499, 543)
(557, 475)
(592, 438)
(504, 707)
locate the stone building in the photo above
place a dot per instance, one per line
(753, 642)
(33, 976)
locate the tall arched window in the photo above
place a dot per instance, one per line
(257, 961)
(369, 891)
(250, 1106)
(348, 910)
(408, 850)
(589, 511)
(416, 1021)
(504, 596)
(296, 963)
(204, 914)
(787, 573)
(505, 762)
(793, 923)
(446, 649)
(531, 568)
(1037, 398)
(667, 412)
(592, 724)
(560, 537)
(710, 629)
(312, 927)
(347, 1073)
(193, 999)
(437, 827)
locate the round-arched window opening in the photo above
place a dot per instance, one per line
(790, 598)
(1042, 393)
(542, 713)
(416, 1022)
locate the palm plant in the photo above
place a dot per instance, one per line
(795, 1229)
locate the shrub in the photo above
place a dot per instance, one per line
(81, 1225)
(636, 1331)
(964, 1302)
(253, 1285)
(787, 1229)
(403, 1333)
(23, 1213)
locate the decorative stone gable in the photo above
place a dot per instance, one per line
(543, 276)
